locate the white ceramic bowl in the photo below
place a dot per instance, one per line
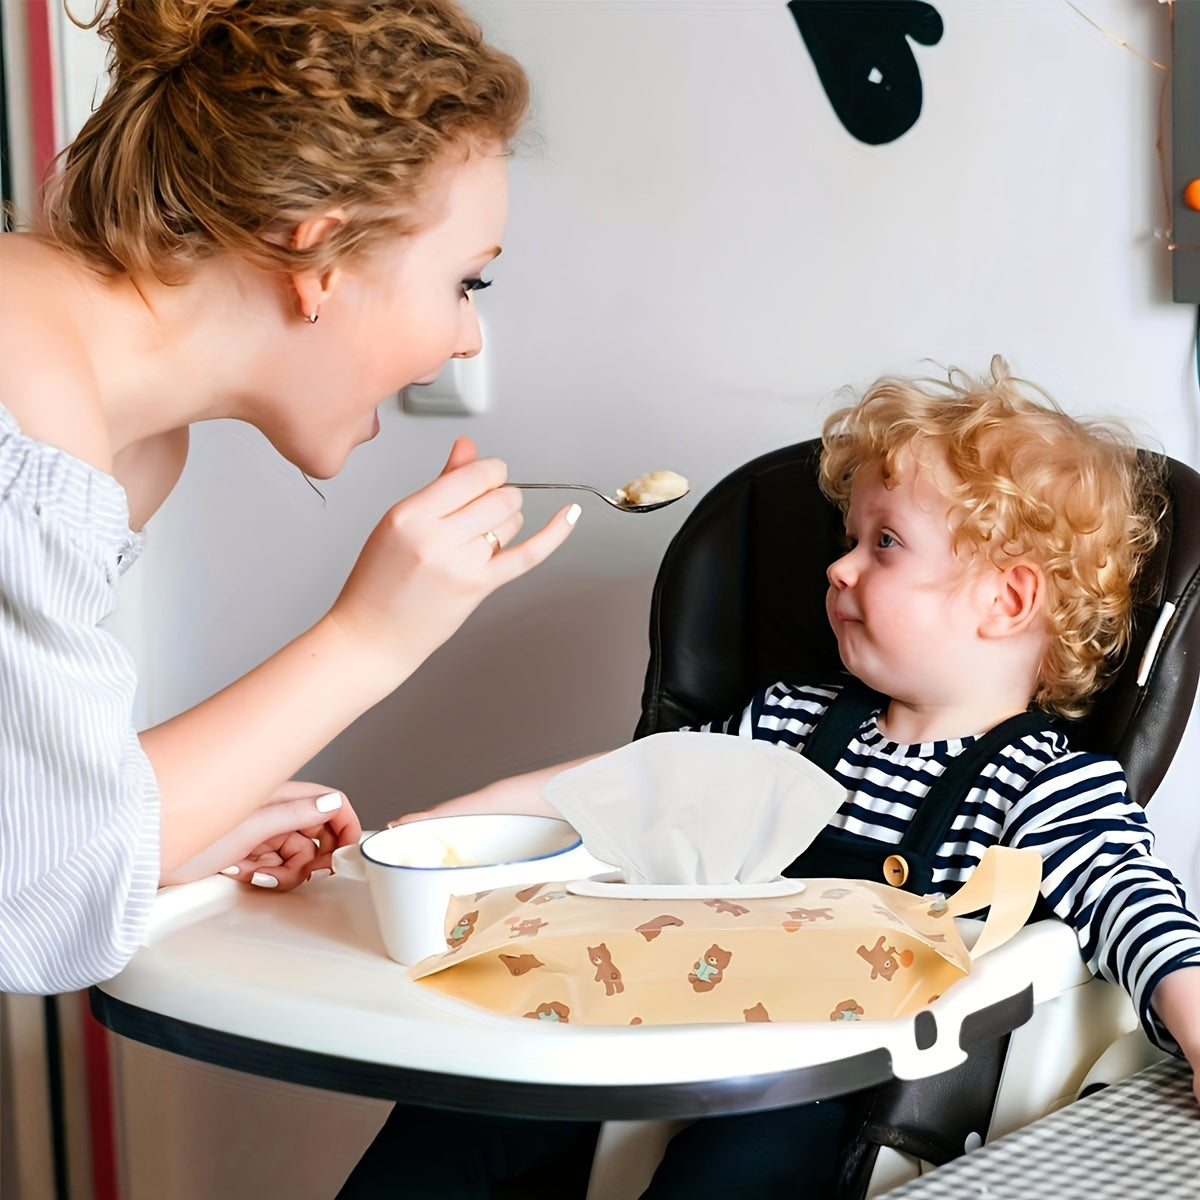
(412, 870)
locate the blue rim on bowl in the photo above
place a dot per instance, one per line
(500, 862)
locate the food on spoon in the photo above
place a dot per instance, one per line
(653, 488)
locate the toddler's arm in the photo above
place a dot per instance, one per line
(1176, 1000)
(516, 794)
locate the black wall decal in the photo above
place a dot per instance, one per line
(865, 63)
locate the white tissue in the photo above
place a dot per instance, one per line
(697, 808)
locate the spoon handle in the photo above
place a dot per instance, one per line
(578, 487)
(620, 504)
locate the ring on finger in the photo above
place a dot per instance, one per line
(492, 540)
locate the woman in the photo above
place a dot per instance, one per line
(278, 213)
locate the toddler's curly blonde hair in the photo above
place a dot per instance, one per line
(1030, 481)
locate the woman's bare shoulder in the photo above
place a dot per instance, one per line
(47, 384)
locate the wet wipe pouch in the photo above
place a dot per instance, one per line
(606, 953)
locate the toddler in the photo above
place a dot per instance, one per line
(986, 589)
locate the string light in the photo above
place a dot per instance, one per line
(1166, 236)
(1112, 37)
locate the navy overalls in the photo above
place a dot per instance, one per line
(837, 853)
(796, 1152)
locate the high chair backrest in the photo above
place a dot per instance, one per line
(739, 602)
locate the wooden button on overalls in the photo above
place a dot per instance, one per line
(895, 870)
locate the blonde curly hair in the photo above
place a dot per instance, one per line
(228, 122)
(1029, 481)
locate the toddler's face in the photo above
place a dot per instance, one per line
(905, 608)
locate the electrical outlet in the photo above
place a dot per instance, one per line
(460, 390)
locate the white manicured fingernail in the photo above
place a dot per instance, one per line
(235, 870)
(330, 802)
(573, 514)
(320, 873)
(262, 879)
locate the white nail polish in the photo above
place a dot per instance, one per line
(262, 879)
(234, 870)
(573, 514)
(330, 802)
(320, 873)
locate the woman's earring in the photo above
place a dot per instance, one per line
(312, 317)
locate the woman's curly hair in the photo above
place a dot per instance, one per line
(227, 122)
(1030, 481)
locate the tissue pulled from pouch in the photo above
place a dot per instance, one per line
(653, 488)
(693, 808)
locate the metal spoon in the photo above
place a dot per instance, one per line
(615, 501)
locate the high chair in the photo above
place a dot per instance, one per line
(739, 602)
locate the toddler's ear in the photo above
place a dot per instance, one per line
(1018, 600)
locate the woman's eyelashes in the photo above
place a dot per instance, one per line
(475, 284)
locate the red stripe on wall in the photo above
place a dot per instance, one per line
(95, 1037)
(41, 86)
(100, 1107)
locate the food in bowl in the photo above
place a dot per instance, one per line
(434, 853)
(413, 869)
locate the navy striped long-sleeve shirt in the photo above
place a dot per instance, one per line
(1099, 871)
(79, 803)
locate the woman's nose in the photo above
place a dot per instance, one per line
(470, 340)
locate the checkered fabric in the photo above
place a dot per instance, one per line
(1136, 1140)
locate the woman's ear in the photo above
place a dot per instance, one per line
(1017, 602)
(312, 287)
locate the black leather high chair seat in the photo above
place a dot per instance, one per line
(739, 602)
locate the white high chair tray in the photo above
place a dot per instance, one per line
(298, 987)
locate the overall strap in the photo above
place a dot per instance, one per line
(935, 813)
(909, 863)
(838, 724)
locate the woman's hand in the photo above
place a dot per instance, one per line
(423, 570)
(287, 840)
(428, 562)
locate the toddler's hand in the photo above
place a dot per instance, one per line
(428, 563)
(514, 794)
(482, 801)
(1176, 1000)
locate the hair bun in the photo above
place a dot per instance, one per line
(159, 36)
(227, 122)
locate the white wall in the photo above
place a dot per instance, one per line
(698, 256)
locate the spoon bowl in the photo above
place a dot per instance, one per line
(618, 501)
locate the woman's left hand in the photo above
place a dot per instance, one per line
(287, 840)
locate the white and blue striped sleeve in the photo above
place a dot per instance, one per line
(1101, 876)
(781, 712)
(79, 803)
